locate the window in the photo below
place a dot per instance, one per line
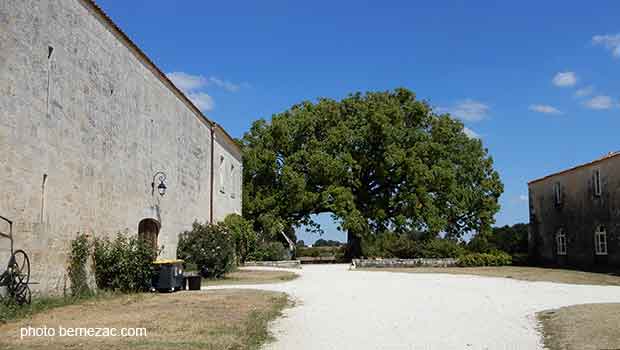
(222, 175)
(233, 181)
(557, 193)
(600, 241)
(561, 242)
(597, 182)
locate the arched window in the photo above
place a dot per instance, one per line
(561, 242)
(600, 240)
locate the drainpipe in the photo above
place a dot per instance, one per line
(212, 174)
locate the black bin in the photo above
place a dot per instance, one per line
(194, 282)
(168, 276)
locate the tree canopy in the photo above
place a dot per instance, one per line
(380, 161)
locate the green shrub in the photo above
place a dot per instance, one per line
(243, 235)
(402, 247)
(521, 259)
(269, 251)
(495, 258)
(210, 247)
(123, 264)
(391, 245)
(78, 257)
(441, 248)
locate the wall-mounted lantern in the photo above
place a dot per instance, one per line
(161, 187)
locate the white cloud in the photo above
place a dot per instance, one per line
(202, 100)
(599, 102)
(470, 133)
(523, 197)
(187, 82)
(565, 79)
(546, 109)
(467, 110)
(585, 91)
(610, 42)
(225, 84)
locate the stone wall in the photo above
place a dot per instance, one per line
(85, 122)
(395, 263)
(289, 264)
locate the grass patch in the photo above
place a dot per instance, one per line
(256, 327)
(214, 320)
(581, 327)
(11, 312)
(538, 274)
(247, 276)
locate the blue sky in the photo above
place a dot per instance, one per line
(538, 82)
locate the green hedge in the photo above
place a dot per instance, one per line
(485, 259)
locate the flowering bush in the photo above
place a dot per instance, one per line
(210, 247)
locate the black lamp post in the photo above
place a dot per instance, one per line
(161, 188)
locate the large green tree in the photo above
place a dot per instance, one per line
(380, 161)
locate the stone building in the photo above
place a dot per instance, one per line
(86, 121)
(575, 215)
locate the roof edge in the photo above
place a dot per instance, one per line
(119, 34)
(602, 159)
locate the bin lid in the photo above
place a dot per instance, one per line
(168, 261)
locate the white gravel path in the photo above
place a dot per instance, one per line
(361, 310)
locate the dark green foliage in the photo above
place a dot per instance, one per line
(521, 259)
(123, 264)
(208, 246)
(390, 245)
(495, 258)
(269, 251)
(78, 257)
(300, 243)
(442, 248)
(511, 239)
(480, 243)
(375, 161)
(326, 243)
(243, 235)
(320, 251)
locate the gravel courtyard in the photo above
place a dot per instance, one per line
(341, 309)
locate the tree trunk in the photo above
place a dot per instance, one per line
(354, 249)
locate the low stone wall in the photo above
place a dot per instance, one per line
(395, 263)
(288, 264)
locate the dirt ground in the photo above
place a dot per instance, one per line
(518, 272)
(222, 319)
(249, 276)
(581, 327)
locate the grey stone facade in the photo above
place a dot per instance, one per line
(86, 120)
(568, 208)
